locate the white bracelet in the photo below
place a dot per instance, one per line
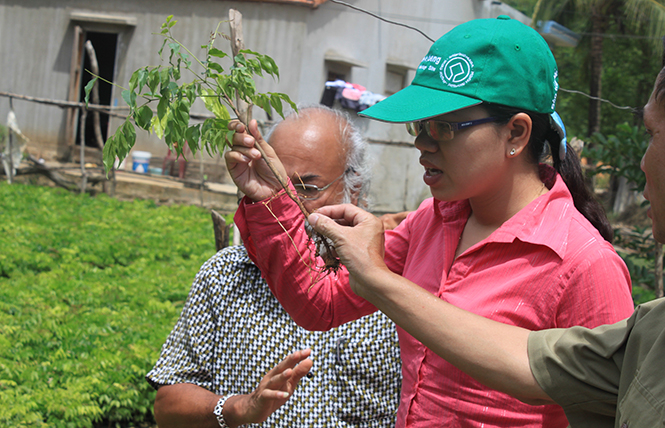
(218, 411)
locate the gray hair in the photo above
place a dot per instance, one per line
(357, 176)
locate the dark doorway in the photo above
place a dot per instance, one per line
(105, 45)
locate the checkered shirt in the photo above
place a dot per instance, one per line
(232, 331)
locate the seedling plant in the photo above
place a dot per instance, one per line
(220, 90)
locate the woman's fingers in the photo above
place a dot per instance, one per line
(244, 162)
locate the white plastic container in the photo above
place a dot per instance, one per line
(141, 161)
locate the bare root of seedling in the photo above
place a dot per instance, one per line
(325, 250)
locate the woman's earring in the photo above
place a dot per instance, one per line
(512, 152)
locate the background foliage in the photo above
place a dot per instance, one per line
(631, 61)
(620, 154)
(89, 290)
(632, 55)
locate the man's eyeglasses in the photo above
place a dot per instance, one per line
(311, 192)
(439, 130)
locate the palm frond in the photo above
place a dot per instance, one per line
(649, 14)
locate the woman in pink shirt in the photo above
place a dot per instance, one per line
(504, 236)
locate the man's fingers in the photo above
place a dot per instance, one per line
(302, 369)
(325, 226)
(279, 378)
(330, 220)
(271, 394)
(345, 213)
(291, 361)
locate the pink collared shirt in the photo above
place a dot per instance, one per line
(545, 267)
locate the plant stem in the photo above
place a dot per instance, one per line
(188, 51)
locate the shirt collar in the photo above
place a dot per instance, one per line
(544, 221)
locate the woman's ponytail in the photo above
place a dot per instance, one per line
(585, 201)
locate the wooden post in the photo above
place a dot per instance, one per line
(221, 230)
(201, 171)
(10, 175)
(244, 110)
(74, 87)
(237, 44)
(84, 175)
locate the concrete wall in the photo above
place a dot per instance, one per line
(36, 39)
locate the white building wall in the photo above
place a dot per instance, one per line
(36, 38)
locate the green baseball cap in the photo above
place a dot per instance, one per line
(498, 61)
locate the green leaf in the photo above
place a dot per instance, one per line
(247, 51)
(276, 103)
(143, 117)
(217, 53)
(216, 86)
(214, 66)
(263, 101)
(109, 151)
(129, 133)
(142, 78)
(266, 65)
(130, 98)
(162, 107)
(164, 78)
(193, 135)
(228, 137)
(182, 111)
(240, 59)
(158, 125)
(133, 80)
(212, 103)
(286, 98)
(153, 80)
(255, 66)
(88, 89)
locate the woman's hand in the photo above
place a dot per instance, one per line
(358, 239)
(245, 165)
(273, 391)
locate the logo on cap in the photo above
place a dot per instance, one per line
(456, 70)
(556, 87)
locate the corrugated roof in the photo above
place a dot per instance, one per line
(310, 3)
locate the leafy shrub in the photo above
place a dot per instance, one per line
(638, 249)
(620, 155)
(89, 290)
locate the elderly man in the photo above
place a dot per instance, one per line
(232, 330)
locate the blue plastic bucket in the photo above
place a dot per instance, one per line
(141, 161)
